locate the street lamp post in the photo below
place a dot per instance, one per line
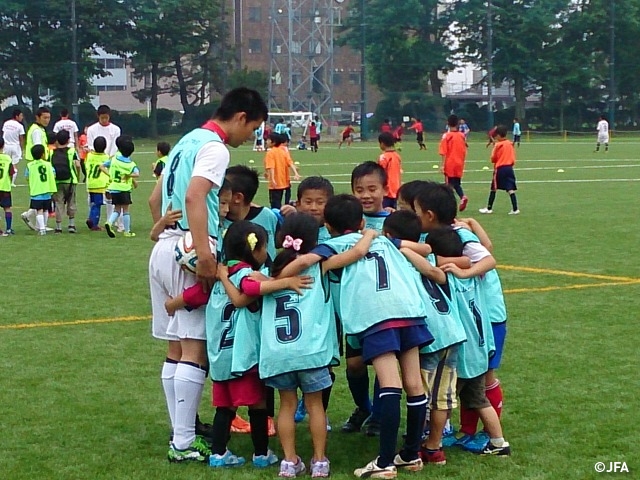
(363, 75)
(490, 62)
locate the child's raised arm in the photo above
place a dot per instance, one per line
(169, 218)
(473, 225)
(424, 266)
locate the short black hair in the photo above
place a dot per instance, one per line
(501, 130)
(42, 110)
(16, 113)
(387, 139)
(343, 213)
(277, 138)
(452, 121)
(368, 168)
(243, 180)
(315, 183)
(386, 120)
(125, 145)
(103, 110)
(51, 138)
(242, 99)
(440, 199)
(1, 142)
(225, 187)
(445, 242)
(64, 112)
(62, 137)
(37, 152)
(163, 148)
(100, 144)
(408, 191)
(403, 224)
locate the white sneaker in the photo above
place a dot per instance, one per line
(25, 218)
(372, 470)
(411, 466)
(485, 210)
(514, 212)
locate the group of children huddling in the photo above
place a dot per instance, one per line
(53, 177)
(414, 292)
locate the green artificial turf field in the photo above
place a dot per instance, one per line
(81, 395)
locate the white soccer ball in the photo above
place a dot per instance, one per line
(186, 252)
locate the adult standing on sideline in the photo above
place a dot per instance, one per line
(190, 182)
(110, 131)
(65, 123)
(13, 134)
(419, 129)
(318, 127)
(603, 134)
(36, 135)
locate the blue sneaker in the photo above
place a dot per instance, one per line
(301, 411)
(264, 461)
(477, 443)
(226, 460)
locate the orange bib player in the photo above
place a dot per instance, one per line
(453, 150)
(503, 158)
(392, 163)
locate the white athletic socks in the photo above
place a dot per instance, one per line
(167, 376)
(40, 223)
(188, 383)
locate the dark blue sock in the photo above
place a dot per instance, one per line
(94, 214)
(8, 217)
(375, 406)
(416, 417)
(389, 424)
(359, 388)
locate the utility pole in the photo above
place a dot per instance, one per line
(612, 66)
(363, 74)
(490, 62)
(74, 64)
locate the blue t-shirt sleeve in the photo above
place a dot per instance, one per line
(107, 164)
(135, 170)
(324, 251)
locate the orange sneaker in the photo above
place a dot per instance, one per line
(240, 425)
(271, 427)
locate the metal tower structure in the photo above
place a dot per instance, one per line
(301, 50)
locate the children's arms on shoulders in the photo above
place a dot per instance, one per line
(352, 255)
(477, 269)
(424, 266)
(462, 262)
(420, 248)
(473, 225)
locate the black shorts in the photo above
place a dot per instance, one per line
(420, 137)
(504, 179)
(5, 199)
(121, 198)
(40, 204)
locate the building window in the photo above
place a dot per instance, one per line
(255, 14)
(255, 45)
(337, 79)
(111, 88)
(354, 78)
(295, 79)
(132, 80)
(296, 47)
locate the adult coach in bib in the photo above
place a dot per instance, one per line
(190, 182)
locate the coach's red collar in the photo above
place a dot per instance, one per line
(214, 127)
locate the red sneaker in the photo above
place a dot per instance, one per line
(240, 425)
(436, 458)
(463, 203)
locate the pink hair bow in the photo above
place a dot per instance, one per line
(290, 242)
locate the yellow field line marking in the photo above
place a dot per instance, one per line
(568, 273)
(20, 326)
(570, 287)
(138, 318)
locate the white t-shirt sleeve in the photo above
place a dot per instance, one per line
(211, 162)
(475, 251)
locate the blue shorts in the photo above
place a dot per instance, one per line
(396, 340)
(504, 179)
(96, 199)
(499, 335)
(309, 381)
(5, 199)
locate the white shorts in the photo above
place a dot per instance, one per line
(167, 279)
(14, 152)
(603, 138)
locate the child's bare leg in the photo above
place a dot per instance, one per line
(287, 425)
(438, 420)
(491, 422)
(317, 424)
